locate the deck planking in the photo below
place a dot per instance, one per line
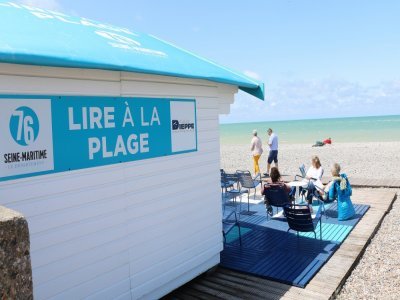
(228, 284)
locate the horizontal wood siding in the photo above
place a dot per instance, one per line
(126, 231)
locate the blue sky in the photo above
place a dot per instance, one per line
(317, 58)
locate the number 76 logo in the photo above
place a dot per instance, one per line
(24, 126)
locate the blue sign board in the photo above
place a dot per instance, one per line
(49, 134)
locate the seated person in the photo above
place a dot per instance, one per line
(328, 141)
(323, 193)
(339, 187)
(335, 171)
(276, 180)
(314, 175)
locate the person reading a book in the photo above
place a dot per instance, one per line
(314, 175)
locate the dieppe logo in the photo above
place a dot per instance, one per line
(24, 125)
(181, 126)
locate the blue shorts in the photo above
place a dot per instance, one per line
(273, 156)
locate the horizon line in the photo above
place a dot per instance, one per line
(309, 119)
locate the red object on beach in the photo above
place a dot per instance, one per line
(327, 141)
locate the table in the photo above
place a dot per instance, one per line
(298, 184)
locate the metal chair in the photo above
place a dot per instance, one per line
(228, 223)
(276, 195)
(247, 183)
(228, 183)
(312, 189)
(299, 219)
(317, 195)
(302, 169)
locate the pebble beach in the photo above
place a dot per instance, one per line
(378, 160)
(377, 275)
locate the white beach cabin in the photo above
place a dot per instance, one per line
(109, 146)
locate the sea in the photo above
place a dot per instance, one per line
(341, 130)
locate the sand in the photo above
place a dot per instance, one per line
(377, 275)
(361, 160)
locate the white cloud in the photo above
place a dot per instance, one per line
(302, 99)
(252, 74)
(45, 4)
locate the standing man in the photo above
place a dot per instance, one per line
(256, 149)
(273, 152)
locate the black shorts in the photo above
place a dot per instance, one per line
(273, 156)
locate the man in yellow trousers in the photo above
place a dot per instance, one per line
(257, 150)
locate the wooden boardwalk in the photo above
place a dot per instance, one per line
(226, 284)
(375, 183)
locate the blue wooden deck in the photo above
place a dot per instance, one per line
(223, 283)
(269, 251)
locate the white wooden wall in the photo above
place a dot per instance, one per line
(126, 231)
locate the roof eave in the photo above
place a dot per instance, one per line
(257, 92)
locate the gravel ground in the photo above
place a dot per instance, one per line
(361, 160)
(377, 275)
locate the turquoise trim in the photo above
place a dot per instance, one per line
(40, 37)
(195, 120)
(257, 92)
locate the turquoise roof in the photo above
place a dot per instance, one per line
(40, 37)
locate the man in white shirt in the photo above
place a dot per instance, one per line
(273, 152)
(257, 150)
